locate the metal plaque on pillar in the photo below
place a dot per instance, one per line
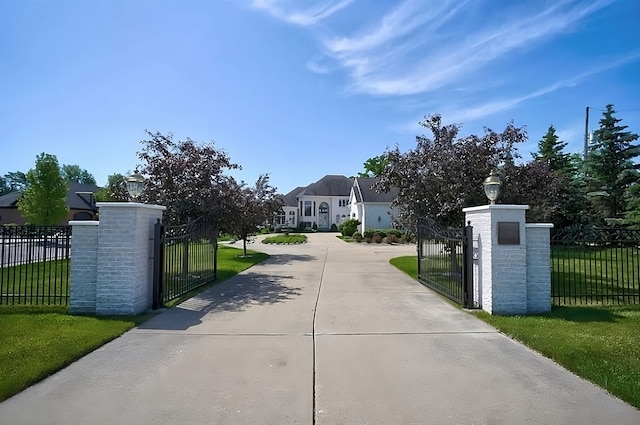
(508, 233)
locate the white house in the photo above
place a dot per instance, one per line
(332, 200)
(371, 208)
(323, 203)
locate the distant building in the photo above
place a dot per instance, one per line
(80, 201)
(371, 208)
(334, 199)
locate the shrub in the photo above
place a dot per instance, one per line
(392, 238)
(357, 236)
(395, 232)
(266, 230)
(349, 227)
(370, 232)
(403, 239)
(301, 226)
(314, 227)
(334, 228)
(376, 238)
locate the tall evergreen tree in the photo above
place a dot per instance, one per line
(73, 173)
(610, 169)
(44, 201)
(551, 152)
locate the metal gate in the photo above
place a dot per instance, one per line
(445, 260)
(185, 257)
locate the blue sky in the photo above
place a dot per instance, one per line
(303, 88)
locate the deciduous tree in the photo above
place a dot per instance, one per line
(115, 191)
(444, 173)
(44, 201)
(251, 207)
(185, 176)
(373, 167)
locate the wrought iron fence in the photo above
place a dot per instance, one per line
(186, 258)
(34, 264)
(595, 266)
(445, 261)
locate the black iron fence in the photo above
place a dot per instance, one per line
(445, 260)
(595, 266)
(185, 258)
(34, 265)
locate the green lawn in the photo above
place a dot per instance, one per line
(601, 344)
(285, 239)
(595, 274)
(39, 340)
(598, 343)
(408, 264)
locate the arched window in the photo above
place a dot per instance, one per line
(324, 208)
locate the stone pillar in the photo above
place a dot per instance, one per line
(84, 267)
(125, 257)
(502, 256)
(538, 268)
(512, 268)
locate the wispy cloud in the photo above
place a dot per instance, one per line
(416, 47)
(321, 10)
(495, 106)
(317, 67)
(381, 58)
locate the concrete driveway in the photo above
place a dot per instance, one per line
(321, 333)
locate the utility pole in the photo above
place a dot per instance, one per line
(586, 132)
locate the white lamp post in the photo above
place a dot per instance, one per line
(492, 186)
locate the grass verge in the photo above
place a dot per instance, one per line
(407, 264)
(38, 341)
(598, 343)
(285, 239)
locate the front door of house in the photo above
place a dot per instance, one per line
(323, 216)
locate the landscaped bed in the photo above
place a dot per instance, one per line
(285, 239)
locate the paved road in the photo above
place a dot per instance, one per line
(325, 333)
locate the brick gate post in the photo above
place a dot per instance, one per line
(513, 264)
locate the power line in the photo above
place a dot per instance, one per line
(617, 110)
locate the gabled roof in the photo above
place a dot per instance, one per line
(9, 199)
(330, 185)
(291, 198)
(365, 193)
(79, 197)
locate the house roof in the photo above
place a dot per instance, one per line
(9, 199)
(365, 193)
(79, 197)
(331, 185)
(291, 198)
